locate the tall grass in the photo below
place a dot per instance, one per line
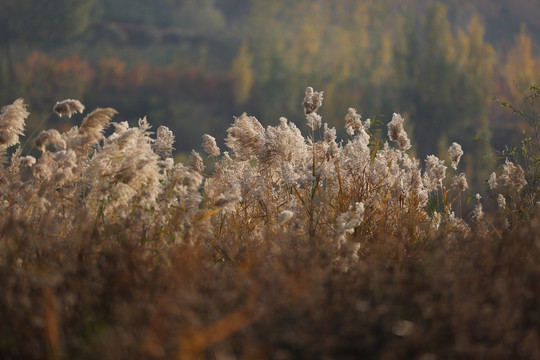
(292, 247)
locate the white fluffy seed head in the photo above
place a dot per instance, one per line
(163, 146)
(313, 100)
(435, 172)
(455, 153)
(51, 136)
(195, 161)
(501, 201)
(352, 121)
(395, 127)
(68, 107)
(329, 134)
(27, 160)
(246, 137)
(397, 134)
(12, 122)
(460, 183)
(314, 120)
(492, 181)
(513, 176)
(209, 145)
(478, 213)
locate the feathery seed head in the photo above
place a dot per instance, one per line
(435, 172)
(347, 221)
(66, 166)
(192, 180)
(195, 161)
(163, 146)
(91, 130)
(492, 181)
(313, 100)
(285, 143)
(94, 123)
(68, 107)
(210, 146)
(478, 213)
(12, 121)
(367, 124)
(120, 127)
(460, 183)
(352, 121)
(397, 134)
(27, 160)
(513, 176)
(246, 137)
(395, 127)
(51, 136)
(228, 200)
(314, 120)
(455, 153)
(329, 134)
(403, 141)
(166, 164)
(501, 201)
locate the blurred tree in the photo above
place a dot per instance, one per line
(363, 64)
(425, 76)
(144, 12)
(242, 75)
(475, 61)
(445, 83)
(268, 26)
(522, 67)
(48, 23)
(342, 47)
(52, 21)
(199, 16)
(234, 10)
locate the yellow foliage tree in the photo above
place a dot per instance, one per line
(522, 65)
(242, 74)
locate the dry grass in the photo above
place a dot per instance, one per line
(292, 248)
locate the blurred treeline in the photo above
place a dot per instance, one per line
(194, 64)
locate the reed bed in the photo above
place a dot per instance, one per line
(290, 246)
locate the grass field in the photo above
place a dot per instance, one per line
(286, 247)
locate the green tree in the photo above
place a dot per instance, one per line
(475, 60)
(426, 77)
(341, 47)
(444, 80)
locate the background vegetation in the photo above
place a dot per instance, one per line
(192, 65)
(292, 248)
